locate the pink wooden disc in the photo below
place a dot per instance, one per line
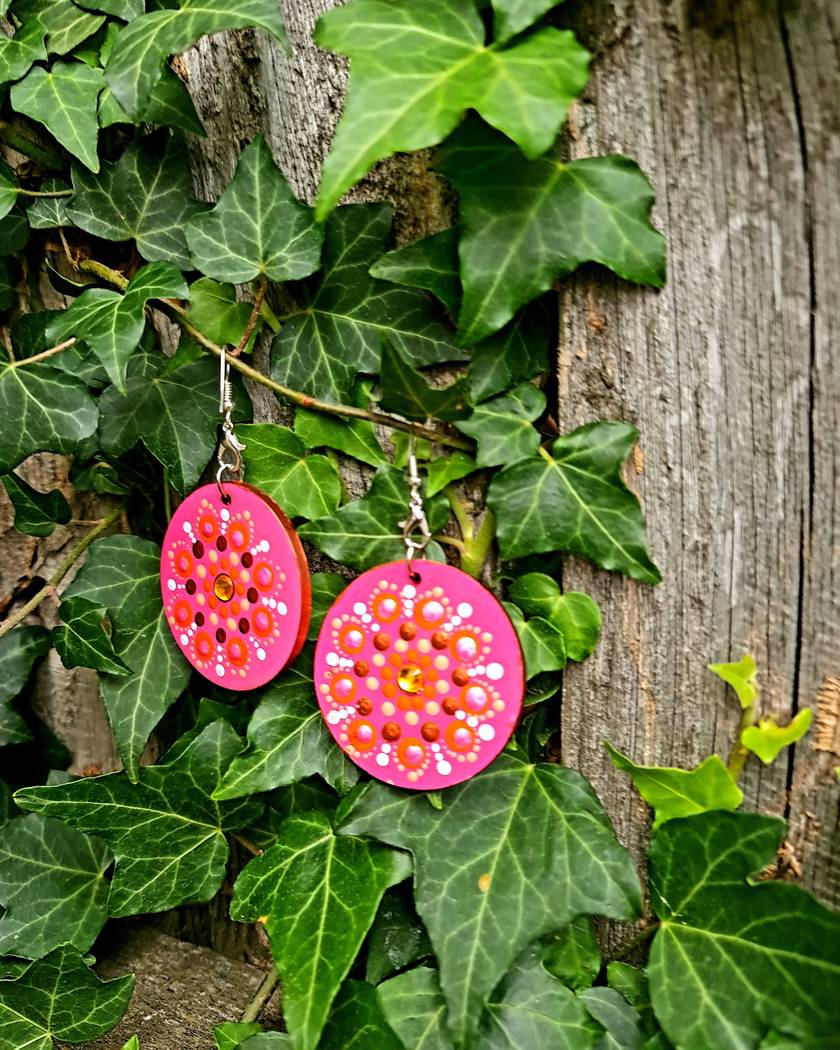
(235, 585)
(420, 683)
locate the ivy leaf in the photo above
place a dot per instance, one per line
(127, 10)
(397, 937)
(575, 614)
(64, 99)
(268, 1041)
(715, 928)
(258, 228)
(430, 263)
(681, 792)
(132, 1044)
(287, 741)
(19, 52)
(215, 310)
(165, 831)
(621, 1023)
(356, 1021)
(58, 997)
(414, 1007)
(111, 323)
(479, 904)
(325, 587)
(353, 437)
(141, 47)
(49, 212)
(304, 486)
(122, 575)
(575, 500)
(502, 426)
(8, 185)
(146, 196)
(367, 531)
(406, 392)
(170, 104)
(52, 886)
(451, 467)
(512, 16)
(318, 893)
(344, 312)
(543, 644)
(527, 222)
(19, 650)
(172, 406)
(767, 739)
(572, 954)
(36, 513)
(231, 1034)
(741, 676)
(81, 639)
(66, 25)
(43, 410)
(415, 71)
(519, 351)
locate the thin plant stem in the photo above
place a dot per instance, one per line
(44, 354)
(252, 320)
(45, 193)
(167, 495)
(739, 754)
(54, 580)
(265, 991)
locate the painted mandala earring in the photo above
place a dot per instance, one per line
(418, 670)
(233, 574)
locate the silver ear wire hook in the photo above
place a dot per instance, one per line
(416, 520)
(229, 444)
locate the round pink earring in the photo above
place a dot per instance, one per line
(418, 670)
(233, 574)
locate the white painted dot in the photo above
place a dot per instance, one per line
(409, 591)
(486, 732)
(435, 747)
(495, 672)
(444, 768)
(456, 621)
(171, 585)
(264, 545)
(186, 526)
(260, 654)
(220, 671)
(332, 659)
(472, 721)
(282, 608)
(382, 760)
(366, 618)
(184, 639)
(465, 609)
(225, 514)
(460, 715)
(359, 608)
(334, 717)
(386, 748)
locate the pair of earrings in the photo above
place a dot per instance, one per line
(418, 670)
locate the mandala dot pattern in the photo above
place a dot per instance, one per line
(235, 586)
(420, 682)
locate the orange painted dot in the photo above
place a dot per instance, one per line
(183, 612)
(459, 737)
(362, 734)
(184, 563)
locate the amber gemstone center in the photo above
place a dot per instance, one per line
(223, 587)
(410, 678)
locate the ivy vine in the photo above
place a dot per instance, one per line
(439, 921)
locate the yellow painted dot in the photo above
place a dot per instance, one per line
(424, 645)
(432, 708)
(388, 709)
(412, 718)
(378, 660)
(441, 662)
(372, 683)
(401, 645)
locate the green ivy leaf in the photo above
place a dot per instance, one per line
(19, 52)
(325, 588)
(58, 997)
(14, 232)
(81, 640)
(165, 831)
(519, 351)
(49, 212)
(397, 937)
(415, 71)
(19, 650)
(543, 643)
(621, 1023)
(127, 10)
(43, 410)
(145, 196)
(502, 426)
(231, 1034)
(287, 741)
(132, 1044)
(356, 1021)
(479, 904)
(64, 99)
(268, 1041)
(36, 513)
(353, 437)
(572, 954)
(731, 960)
(741, 676)
(575, 614)
(66, 25)
(430, 263)
(681, 792)
(414, 1007)
(122, 575)
(141, 47)
(575, 500)
(767, 739)
(52, 886)
(319, 893)
(367, 531)
(304, 486)
(451, 467)
(344, 312)
(170, 104)
(111, 323)
(258, 228)
(172, 406)
(512, 16)
(527, 222)
(8, 186)
(215, 310)
(406, 392)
